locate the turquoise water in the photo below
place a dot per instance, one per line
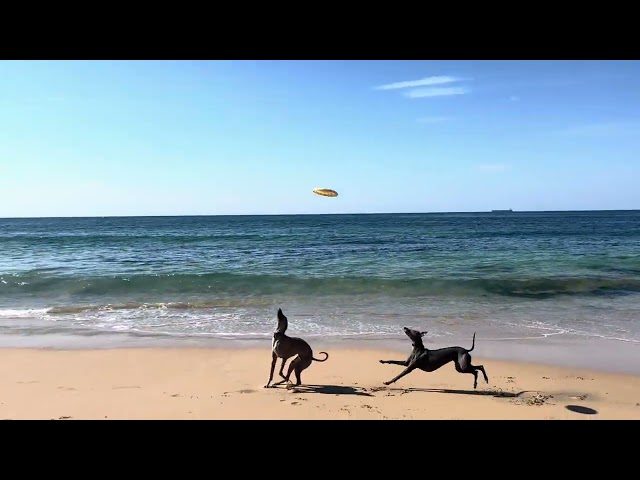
(340, 276)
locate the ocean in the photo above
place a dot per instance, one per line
(337, 277)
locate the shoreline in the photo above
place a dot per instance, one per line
(227, 383)
(562, 351)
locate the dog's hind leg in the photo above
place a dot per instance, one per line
(481, 368)
(302, 365)
(285, 378)
(284, 360)
(297, 366)
(274, 358)
(468, 370)
(298, 372)
(290, 370)
(463, 365)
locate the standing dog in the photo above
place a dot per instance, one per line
(422, 358)
(285, 347)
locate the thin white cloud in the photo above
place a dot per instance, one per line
(432, 119)
(496, 167)
(436, 92)
(514, 98)
(423, 82)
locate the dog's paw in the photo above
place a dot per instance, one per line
(387, 383)
(382, 361)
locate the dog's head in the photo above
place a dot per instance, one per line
(414, 335)
(282, 322)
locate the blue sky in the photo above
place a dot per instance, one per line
(89, 138)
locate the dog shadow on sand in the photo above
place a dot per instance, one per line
(349, 390)
(484, 393)
(329, 390)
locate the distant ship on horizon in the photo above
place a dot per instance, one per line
(502, 211)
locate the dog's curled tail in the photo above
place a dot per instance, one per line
(473, 343)
(325, 358)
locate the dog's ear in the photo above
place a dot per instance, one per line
(422, 334)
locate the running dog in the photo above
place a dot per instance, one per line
(422, 358)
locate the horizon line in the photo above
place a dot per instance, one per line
(501, 211)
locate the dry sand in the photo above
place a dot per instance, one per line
(173, 383)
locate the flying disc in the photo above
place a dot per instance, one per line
(325, 192)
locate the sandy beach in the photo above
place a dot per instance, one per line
(160, 219)
(219, 383)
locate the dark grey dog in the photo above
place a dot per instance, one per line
(285, 347)
(422, 358)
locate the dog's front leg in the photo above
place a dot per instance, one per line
(274, 358)
(406, 371)
(403, 363)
